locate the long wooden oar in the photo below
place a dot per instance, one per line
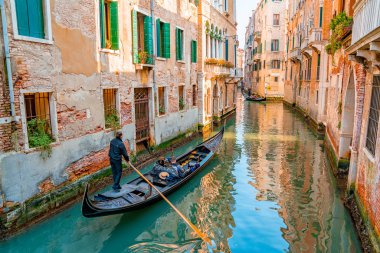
(196, 230)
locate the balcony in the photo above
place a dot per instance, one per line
(315, 39)
(305, 44)
(217, 70)
(218, 67)
(257, 36)
(315, 35)
(295, 54)
(366, 18)
(238, 72)
(257, 57)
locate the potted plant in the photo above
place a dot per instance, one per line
(161, 109)
(181, 104)
(112, 120)
(340, 26)
(143, 56)
(39, 136)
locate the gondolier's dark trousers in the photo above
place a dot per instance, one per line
(116, 173)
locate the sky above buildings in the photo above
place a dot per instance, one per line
(243, 12)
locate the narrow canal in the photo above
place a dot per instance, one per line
(268, 190)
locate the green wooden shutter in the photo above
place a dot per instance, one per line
(135, 37)
(148, 39)
(36, 19)
(180, 44)
(158, 39)
(177, 43)
(226, 50)
(22, 17)
(320, 16)
(166, 33)
(193, 51)
(114, 18)
(102, 24)
(272, 45)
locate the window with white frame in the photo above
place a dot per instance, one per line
(161, 100)
(373, 119)
(179, 44)
(276, 64)
(111, 115)
(276, 19)
(226, 5)
(275, 45)
(38, 118)
(31, 19)
(181, 97)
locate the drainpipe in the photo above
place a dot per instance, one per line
(7, 59)
(154, 62)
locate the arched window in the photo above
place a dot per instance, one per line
(208, 31)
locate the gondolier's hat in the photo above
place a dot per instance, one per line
(163, 175)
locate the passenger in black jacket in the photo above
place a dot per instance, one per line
(116, 153)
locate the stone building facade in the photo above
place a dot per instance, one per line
(336, 46)
(217, 60)
(306, 70)
(268, 66)
(248, 50)
(79, 70)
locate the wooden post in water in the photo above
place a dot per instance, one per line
(203, 236)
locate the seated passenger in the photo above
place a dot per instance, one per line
(180, 171)
(161, 166)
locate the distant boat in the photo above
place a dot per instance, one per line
(256, 99)
(138, 194)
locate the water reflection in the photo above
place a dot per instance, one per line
(268, 190)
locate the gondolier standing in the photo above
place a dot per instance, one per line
(116, 154)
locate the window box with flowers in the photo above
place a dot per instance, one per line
(340, 26)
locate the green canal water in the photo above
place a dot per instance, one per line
(268, 190)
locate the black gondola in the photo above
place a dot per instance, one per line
(257, 99)
(138, 194)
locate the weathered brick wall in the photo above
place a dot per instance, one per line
(75, 70)
(90, 163)
(368, 171)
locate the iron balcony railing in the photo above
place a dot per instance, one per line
(366, 18)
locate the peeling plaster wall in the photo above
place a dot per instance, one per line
(75, 70)
(20, 180)
(174, 124)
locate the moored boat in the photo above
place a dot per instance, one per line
(138, 194)
(256, 99)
